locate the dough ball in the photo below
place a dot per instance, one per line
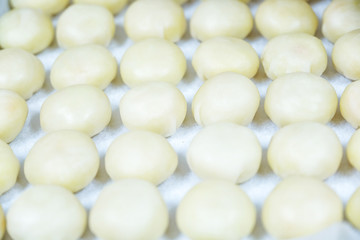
(225, 151)
(26, 28)
(306, 149)
(353, 151)
(88, 64)
(83, 108)
(225, 54)
(298, 97)
(300, 206)
(51, 7)
(46, 212)
(114, 6)
(295, 52)
(245, 1)
(229, 18)
(2, 223)
(155, 18)
(82, 24)
(226, 97)
(276, 17)
(141, 154)
(216, 210)
(21, 72)
(66, 158)
(352, 210)
(350, 104)
(155, 106)
(151, 60)
(340, 17)
(9, 168)
(346, 55)
(129, 209)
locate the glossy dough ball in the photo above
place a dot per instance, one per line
(9, 168)
(49, 6)
(352, 210)
(2, 223)
(114, 6)
(226, 97)
(233, 217)
(156, 106)
(353, 151)
(155, 18)
(225, 54)
(82, 24)
(225, 151)
(83, 108)
(295, 52)
(129, 209)
(297, 97)
(350, 104)
(89, 64)
(54, 213)
(151, 60)
(300, 206)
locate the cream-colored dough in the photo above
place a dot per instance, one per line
(352, 210)
(350, 104)
(353, 150)
(9, 168)
(2, 223)
(114, 6)
(245, 1)
(51, 7)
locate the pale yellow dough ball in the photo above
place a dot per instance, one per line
(225, 54)
(2, 223)
(88, 64)
(51, 7)
(353, 151)
(26, 28)
(129, 209)
(294, 52)
(352, 210)
(300, 206)
(83, 24)
(297, 97)
(46, 212)
(245, 1)
(216, 210)
(114, 6)
(153, 59)
(9, 168)
(350, 104)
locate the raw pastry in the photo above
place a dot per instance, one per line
(66, 158)
(353, 151)
(350, 104)
(129, 209)
(297, 97)
(300, 206)
(9, 168)
(352, 210)
(225, 54)
(2, 223)
(225, 151)
(114, 6)
(155, 106)
(216, 210)
(150, 60)
(49, 6)
(226, 97)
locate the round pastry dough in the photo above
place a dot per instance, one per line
(49, 6)
(225, 151)
(114, 6)
(129, 209)
(155, 18)
(295, 52)
(229, 18)
(245, 1)
(276, 17)
(225, 54)
(33, 33)
(155, 106)
(66, 158)
(226, 97)
(233, 217)
(2, 223)
(305, 149)
(88, 64)
(352, 210)
(82, 24)
(80, 107)
(54, 213)
(151, 60)
(297, 97)
(9, 169)
(300, 206)
(141, 154)
(353, 151)
(350, 104)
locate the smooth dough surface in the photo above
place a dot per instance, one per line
(129, 209)
(141, 154)
(88, 64)
(155, 106)
(233, 217)
(225, 54)
(2, 223)
(66, 158)
(83, 24)
(153, 59)
(49, 6)
(226, 97)
(54, 213)
(80, 107)
(297, 97)
(9, 168)
(294, 52)
(114, 6)
(225, 151)
(353, 151)
(350, 104)
(305, 149)
(352, 210)
(300, 206)
(155, 18)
